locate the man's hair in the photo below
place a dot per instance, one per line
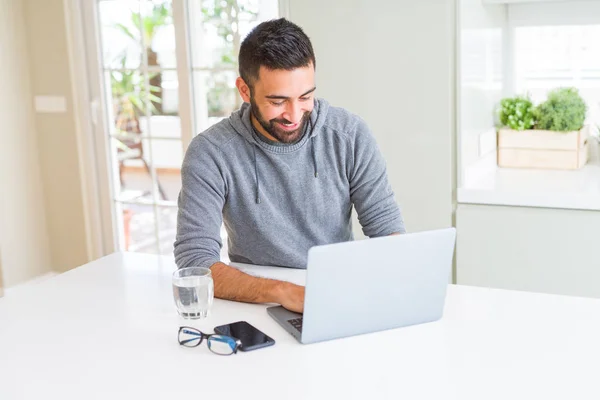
(275, 44)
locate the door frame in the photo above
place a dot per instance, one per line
(99, 238)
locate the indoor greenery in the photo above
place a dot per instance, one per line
(130, 97)
(563, 111)
(143, 29)
(517, 113)
(226, 16)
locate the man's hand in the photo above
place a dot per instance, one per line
(233, 284)
(291, 297)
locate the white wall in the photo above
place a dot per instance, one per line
(393, 65)
(60, 153)
(23, 234)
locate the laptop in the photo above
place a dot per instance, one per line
(372, 285)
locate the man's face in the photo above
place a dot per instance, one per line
(281, 102)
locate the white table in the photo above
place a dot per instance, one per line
(108, 330)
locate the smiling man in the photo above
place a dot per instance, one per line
(282, 174)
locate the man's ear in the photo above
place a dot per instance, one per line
(243, 89)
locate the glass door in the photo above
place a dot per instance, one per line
(167, 71)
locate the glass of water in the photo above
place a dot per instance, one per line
(193, 291)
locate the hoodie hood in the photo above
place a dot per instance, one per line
(240, 120)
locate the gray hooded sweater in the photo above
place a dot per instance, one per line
(278, 200)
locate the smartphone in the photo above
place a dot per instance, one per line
(250, 337)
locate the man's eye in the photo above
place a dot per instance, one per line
(305, 98)
(277, 103)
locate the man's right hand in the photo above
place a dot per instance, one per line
(291, 297)
(233, 284)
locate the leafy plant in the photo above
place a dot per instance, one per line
(517, 113)
(563, 111)
(130, 97)
(128, 86)
(221, 98)
(226, 16)
(159, 16)
(146, 27)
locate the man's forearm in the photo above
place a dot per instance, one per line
(233, 284)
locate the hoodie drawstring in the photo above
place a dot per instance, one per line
(256, 175)
(312, 145)
(314, 156)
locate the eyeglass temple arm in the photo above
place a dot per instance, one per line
(229, 340)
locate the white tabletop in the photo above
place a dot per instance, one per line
(108, 330)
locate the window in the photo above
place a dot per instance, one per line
(168, 72)
(547, 57)
(509, 48)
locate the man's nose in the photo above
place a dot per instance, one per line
(293, 113)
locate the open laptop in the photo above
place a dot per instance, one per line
(371, 285)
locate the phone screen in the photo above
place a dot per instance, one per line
(248, 335)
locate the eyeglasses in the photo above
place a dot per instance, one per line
(218, 344)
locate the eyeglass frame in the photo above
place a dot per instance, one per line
(238, 342)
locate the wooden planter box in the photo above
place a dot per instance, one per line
(542, 149)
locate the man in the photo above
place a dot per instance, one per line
(282, 173)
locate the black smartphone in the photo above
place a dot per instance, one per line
(250, 337)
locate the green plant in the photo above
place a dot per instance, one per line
(517, 113)
(128, 86)
(563, 111)
(130, 97)
(220, 99)
(148, 25)
(151, 22)
(226, 16)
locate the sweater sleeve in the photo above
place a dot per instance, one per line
(201, 201)
(370, 191)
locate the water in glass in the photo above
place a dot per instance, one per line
(193, 292)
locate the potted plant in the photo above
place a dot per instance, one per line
(551, 135)
(145, 27)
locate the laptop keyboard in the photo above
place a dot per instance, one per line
(296, 323)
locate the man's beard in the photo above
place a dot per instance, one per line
(272, 129)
